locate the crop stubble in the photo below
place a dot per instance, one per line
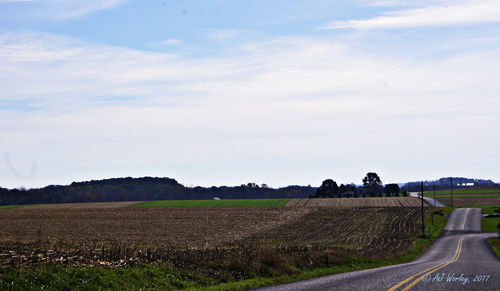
(120, 236)
(356, 202)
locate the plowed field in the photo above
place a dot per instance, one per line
(118, 236)
(357, 202)
(471, 201)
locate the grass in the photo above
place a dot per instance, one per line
(489, 224)
(58, 277)
(465, 196)
(495, 245)
(216, 203)
(463, 191)
(10, 206)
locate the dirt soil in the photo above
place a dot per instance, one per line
(357, 202)
(471, 201)
(84, 205)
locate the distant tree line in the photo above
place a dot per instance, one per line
(445, 184)
(147, 188)
(372, 187)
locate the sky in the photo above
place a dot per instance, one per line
(220, 92)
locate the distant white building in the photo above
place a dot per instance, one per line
(215, 198)
(465, 184)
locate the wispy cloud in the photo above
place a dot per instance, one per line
(65, 9)
(224, 34)
(172, 41)
(451, 13)
(316, 100)
(76, 8)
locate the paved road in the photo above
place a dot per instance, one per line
(429, 200)
(452, 263)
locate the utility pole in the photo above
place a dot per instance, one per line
(434, 194)
(422, 200)
(451, 191)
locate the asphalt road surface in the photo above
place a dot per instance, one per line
(459, 260)
(429, 200)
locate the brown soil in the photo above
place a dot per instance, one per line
(471, 201)
(118, 236)
(84, 205)
(356, 202)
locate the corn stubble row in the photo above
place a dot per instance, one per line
(243, 238)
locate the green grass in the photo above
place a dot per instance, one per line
(495, 245)
(465, 196)
(58, 277)
(215, 203)
(463, 191)
(10, 206)
(490, 224)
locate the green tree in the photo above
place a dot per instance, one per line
(372, 184)
(392, 190)
(328, 188)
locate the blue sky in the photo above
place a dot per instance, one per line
(230, 92)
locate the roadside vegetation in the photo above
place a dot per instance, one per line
(495, 245)
(490, 224)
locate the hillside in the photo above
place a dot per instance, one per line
(141, 189)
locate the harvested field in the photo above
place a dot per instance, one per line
(187, 236)
(356, 202)
(216, 203)
(84, 205)
(349, 228)
(183, 227)
(471, 201)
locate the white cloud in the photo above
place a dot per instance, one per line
(224, 34)
(66, 9)
(451, 13)
(290, 110)
(78, 8)
(172, 41)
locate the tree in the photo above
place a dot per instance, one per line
(392, 190)
(372, 184)
(328, 188)
(349, 190)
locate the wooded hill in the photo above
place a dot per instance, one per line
(141, 189)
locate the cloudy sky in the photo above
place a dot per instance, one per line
(220, 92)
